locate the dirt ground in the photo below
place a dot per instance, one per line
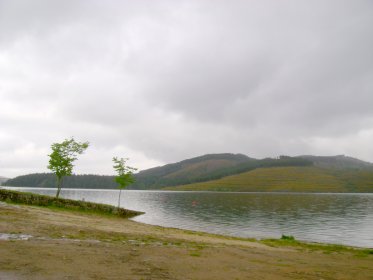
(70, 245)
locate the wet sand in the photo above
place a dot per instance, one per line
(73, 245)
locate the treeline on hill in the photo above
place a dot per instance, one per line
(162, 178)
(198, 169)
(48, 180)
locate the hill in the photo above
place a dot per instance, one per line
(289, 179)
(206, 168)
(3, 180)
(233, 172)
(198, 169)
(327, 174)
(187, 171)
(338, 162)
(48, 180)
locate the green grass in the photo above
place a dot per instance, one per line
(283, 179)
(289, 179)
(11, 196)
(355, 180)
(287, 237)
(195, 253)
(290, 241)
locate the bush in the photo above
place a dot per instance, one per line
(48, 201)
(287, 237)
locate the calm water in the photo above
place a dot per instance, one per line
(332, 218)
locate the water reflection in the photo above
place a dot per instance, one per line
(334, 218)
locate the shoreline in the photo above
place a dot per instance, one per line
(188, 191)
(269, 240)
(108, 210)
(67, 243)
(273, 241)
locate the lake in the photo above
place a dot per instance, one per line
(330, 218)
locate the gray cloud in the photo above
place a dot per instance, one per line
(160, 81)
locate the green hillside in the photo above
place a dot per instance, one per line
(188, 171)
(289, 179)
(355, 180)
(206, 168)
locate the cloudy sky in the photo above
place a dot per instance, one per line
(162, 81)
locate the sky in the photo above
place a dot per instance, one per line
(162, 81)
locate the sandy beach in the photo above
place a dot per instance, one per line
(60, 244)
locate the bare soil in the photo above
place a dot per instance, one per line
(73, 245)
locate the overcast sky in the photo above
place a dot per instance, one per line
(162, 81)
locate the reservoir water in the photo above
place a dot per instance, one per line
(330, 218)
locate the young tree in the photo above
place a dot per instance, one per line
(125, 174)
(62, 157)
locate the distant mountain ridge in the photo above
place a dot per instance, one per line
(3, 179)
(48, 180)
(189, 170)
(338, 162)
(212, 167)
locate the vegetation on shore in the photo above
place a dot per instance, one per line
(62, 158)
(11, 196)
(124, 174)
(290, 241)
(48, 180)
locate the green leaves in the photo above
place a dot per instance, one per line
(62, 157)
(64, 154)
(125, 173)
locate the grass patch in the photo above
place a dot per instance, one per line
(287, 237)
(11, 196)
(195, 253)
(290, 241)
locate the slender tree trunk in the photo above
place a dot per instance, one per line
(120, 192)
(59, 185)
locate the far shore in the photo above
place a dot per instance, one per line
(167, 189)
(44, 243)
